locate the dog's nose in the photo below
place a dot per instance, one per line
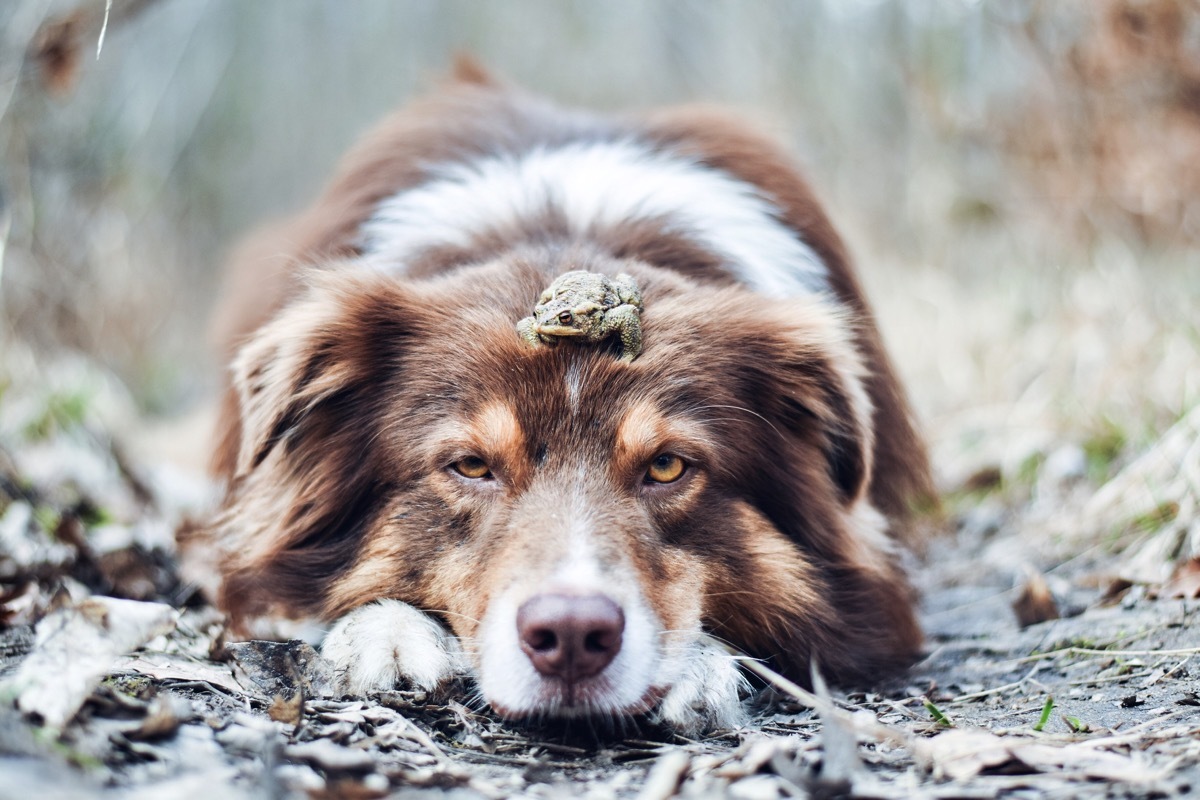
(570, 636)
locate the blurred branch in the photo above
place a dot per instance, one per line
(5, 227)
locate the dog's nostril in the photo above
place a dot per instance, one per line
(600, 641)
(541, 640)
(570, 636)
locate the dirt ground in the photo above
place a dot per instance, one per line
(146, 699)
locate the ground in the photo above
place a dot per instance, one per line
(1103, 701)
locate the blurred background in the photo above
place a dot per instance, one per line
(1019, 180)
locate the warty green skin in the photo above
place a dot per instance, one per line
(588, 306)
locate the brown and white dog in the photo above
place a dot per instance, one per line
(571, 531)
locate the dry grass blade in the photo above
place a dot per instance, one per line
(864, 724)
(1088, 651)
(1155, 504)
(664, 779)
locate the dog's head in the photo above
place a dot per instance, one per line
(576, 521)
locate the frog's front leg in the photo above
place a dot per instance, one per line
(527, 330)
(627, 290)
(627, 321)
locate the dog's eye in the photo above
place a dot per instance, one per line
(565, 318)
(666, 468)
(472, 467)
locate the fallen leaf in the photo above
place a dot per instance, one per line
(287, 709)
(164, 716)
(962, 753)
(840, 764)
(164, 666)
(1035, 603)
(75, 646)
(329, 756)
(1184, 582)
(666, 775)
(281, 668)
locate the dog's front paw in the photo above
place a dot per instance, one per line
(389, 643)
(707, 696)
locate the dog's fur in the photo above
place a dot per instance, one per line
(373, 345)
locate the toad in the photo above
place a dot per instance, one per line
(588, 306)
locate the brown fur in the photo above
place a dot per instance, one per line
(352, 393)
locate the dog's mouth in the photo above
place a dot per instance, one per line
(587, 699)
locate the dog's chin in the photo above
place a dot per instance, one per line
(704, 691)
(590, 699)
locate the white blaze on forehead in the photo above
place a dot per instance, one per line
(596, 185)
(573, 381)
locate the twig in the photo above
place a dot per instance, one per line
(876, 730)
(422, 738)
(218, 691)
(1140, 733)
(998, 690)
(103, 28)
(1087, 651)
(1109, 679)
(1168, 673)
(986, 692)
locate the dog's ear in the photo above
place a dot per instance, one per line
(815, 378)
(312, 386)
(467, 69)
(318, 350)
(793, 364)
(826, 384)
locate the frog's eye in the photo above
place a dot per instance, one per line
(666, 468)
(472, 467)
(565, 318)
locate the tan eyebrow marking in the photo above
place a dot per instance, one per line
(645, 429)
(497, 430)
(639, 432)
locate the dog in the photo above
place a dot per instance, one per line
(583, 531)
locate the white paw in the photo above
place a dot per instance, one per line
(707, 695)
(386, 643)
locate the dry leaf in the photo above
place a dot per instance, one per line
(1184, 582)
(664, 779)
(288, 709)
(1035, 603)
(75, 647)
(329, 756)
(962, 754)
(281, 668)
(163, 718)
(163, 666)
